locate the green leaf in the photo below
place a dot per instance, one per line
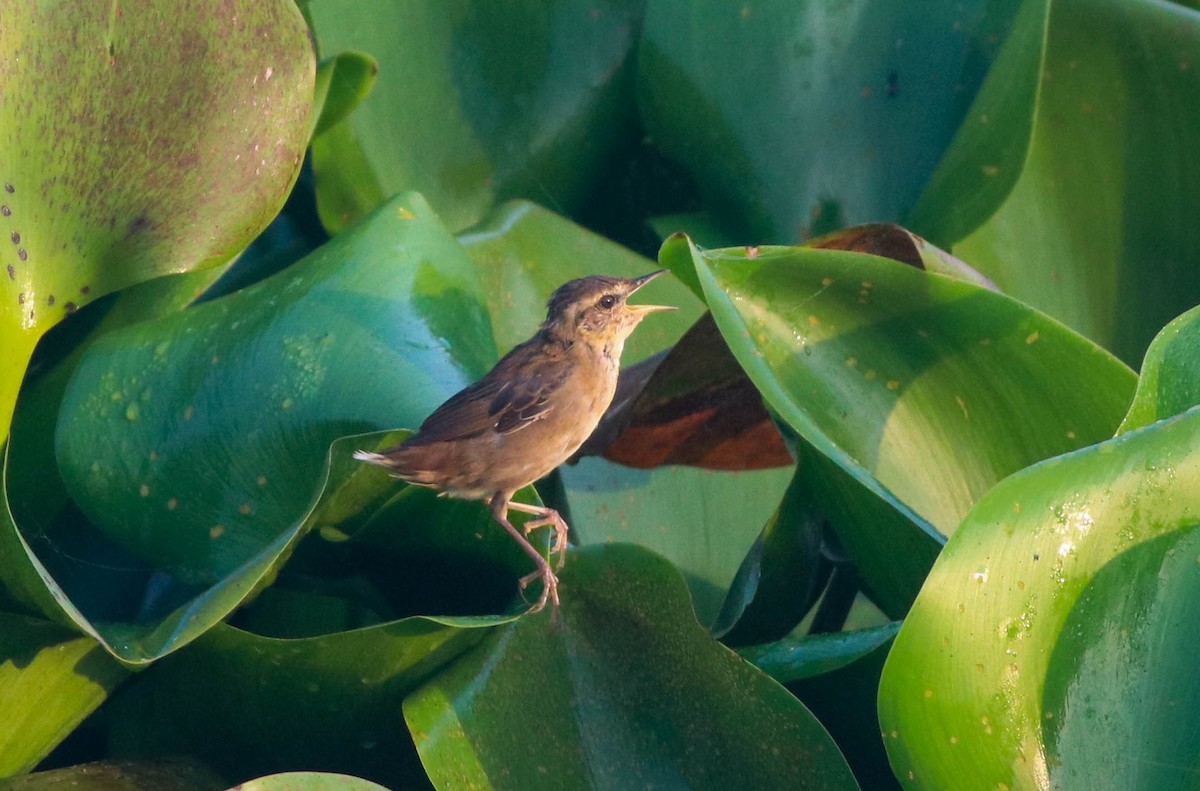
(50, 679)
(851, 108)
(1170, 380)
(230, 483)
(204, 119)
(342, 83)
(1072, 181)
(798, 658)
(248, 391)
(308, 781)
(868, 359)
(627, 691)
(475, 103)
(1058, 622)
(329, 701)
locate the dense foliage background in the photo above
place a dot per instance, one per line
(883, 504)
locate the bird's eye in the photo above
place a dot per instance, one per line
(607, 301)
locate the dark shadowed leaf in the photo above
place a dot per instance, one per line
(627, 691)
(475, 103)
(850, 111)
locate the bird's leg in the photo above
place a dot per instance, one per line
(499, 505)
(547, 516)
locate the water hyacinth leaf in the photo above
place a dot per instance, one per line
(475, 104)
(1018, 185)
(50, 679)
(421, 334)
(326, 701)
(392, 308)
(342, 82)
(1059, 621)
(878, 88)
(868, 359)
(194, 187)
(629, 691)
(1170, 380)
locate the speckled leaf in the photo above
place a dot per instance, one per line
(1072, 182)
(627, 691)
(475, 103)
(50, 679)
(869, 360)
(1054, 643)
(217, 419)
(851, 108)
(215, 488)
(175, 182)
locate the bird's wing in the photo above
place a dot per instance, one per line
(515, 394)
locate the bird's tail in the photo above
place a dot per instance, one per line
(398, 465)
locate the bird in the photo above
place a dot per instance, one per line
(528, 415)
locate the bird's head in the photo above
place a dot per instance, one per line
(593, 310)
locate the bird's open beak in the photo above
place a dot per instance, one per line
(645, 309)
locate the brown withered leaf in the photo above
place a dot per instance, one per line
(693, 406)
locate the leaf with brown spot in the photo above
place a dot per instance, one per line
(137, 141)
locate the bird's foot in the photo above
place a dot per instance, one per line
(549, 589)
(561, 534)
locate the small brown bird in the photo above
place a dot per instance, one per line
(528, 414)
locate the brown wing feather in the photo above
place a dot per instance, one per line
(511, 396)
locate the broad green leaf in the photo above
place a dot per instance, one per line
(329, 701)
(222, 506)
(851, 106)
(1072, 181)
(50, 679)
(1054, 642)
(871, 362)
(627, 691)
(475, 103)
(204, 118)
(197, 438)
(1170, 380)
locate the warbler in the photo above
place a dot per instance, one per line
(528, 414)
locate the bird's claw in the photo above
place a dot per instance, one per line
(549, 590)
(561, 535)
